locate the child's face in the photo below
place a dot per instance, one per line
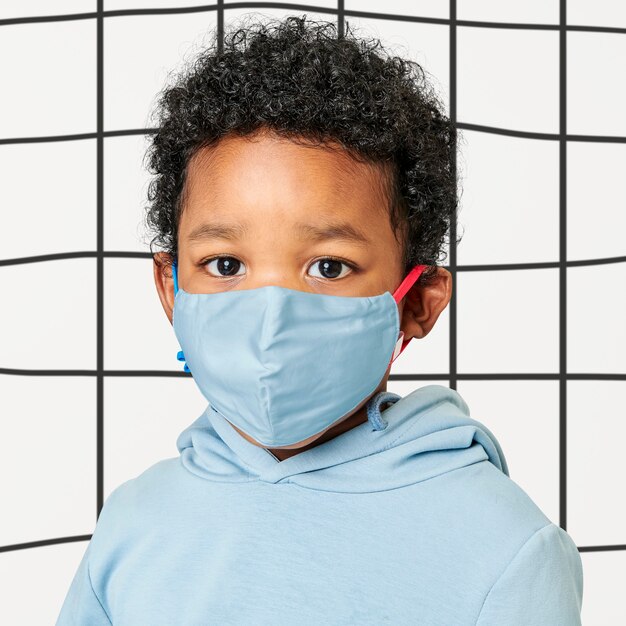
(290, 203)
(277, 211)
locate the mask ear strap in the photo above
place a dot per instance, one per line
(398, 294)
(408, 282)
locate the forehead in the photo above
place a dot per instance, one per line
(264, 174)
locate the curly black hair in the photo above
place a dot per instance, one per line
(299, 79)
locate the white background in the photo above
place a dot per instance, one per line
(508, 319)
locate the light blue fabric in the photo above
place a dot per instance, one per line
(259, 355)
(408, 518)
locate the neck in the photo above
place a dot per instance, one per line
(350, 422)
(356, 418)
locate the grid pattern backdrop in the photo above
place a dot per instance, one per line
(534, 337)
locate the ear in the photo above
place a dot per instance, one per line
(424, 303)
(164, 281)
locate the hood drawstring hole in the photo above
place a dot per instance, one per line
(373, 408)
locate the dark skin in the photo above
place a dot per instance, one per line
(268, 184)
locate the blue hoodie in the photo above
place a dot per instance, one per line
(415, 522)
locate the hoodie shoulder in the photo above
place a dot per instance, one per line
(542, 585)
(138, 496)
(134, 509)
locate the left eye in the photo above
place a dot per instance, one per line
(330, 268)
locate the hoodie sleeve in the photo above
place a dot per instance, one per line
(82, 606)
(541, 586)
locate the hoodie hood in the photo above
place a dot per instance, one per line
(421, 435)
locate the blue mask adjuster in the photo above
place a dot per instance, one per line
(180, 356)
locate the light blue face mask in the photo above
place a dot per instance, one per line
(283, 365)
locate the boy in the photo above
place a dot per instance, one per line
(304, 189)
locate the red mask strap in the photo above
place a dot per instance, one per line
(408, 282)
(398, 294)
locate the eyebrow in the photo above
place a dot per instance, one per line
(218, 230)
(340, 230)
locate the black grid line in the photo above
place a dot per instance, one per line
(100, 262)
(563, 376)
(562, 266)
(452, 268)
(74, 538)
(122, 254)
(508, 132)
(399, 17)
(484, 376)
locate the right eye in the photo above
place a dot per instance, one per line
(226, 266)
